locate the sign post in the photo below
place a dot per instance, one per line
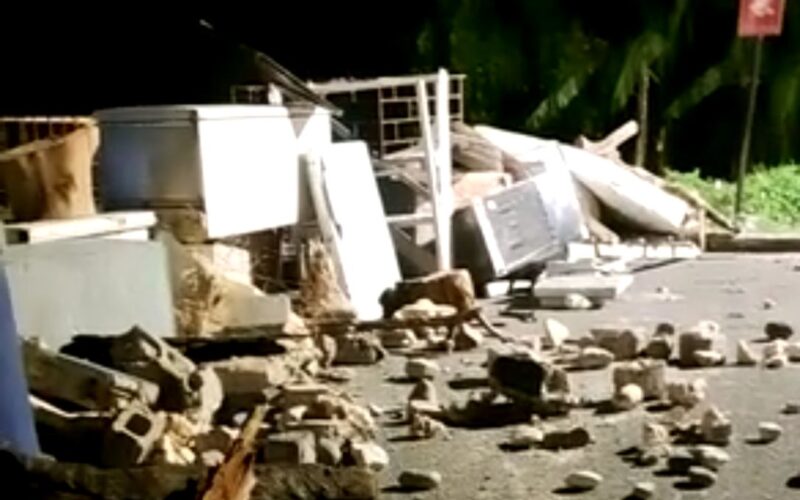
(757, 19)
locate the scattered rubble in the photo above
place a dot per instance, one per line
(643, 490)
(745, 356)
(555, 332)
(577, 437)
(715, 427)
(687, 393)
(778, 330)
(414, 479)
(705, 336)
(424, 427)
(594, 358)
(524, 437)
(626, 343)
(769, 432)
(701, 476)
(628, 397)
(710, 457)
(583, 480)
(358, 349)
(420, 368)
(369, 455)
(646, 373)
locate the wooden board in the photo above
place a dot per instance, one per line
(353, 224)
(93, 225)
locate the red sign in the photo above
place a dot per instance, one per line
(761, 17)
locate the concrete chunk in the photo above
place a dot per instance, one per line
(61, 377)
(414, 479)
(132, 436)
(584, 480)
(745, 356)
(295, 447)
(646, 373)
(705, 336)
(626, 343)
(358, 349)
(370, 455)
(420, 368)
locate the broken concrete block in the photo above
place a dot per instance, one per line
(710, 457)
(745, 356)
(791, 408)
(524, 376)
(646, 373)
(701, 477)
(628, 397)
(74, 437)
(370, 455)
(294, 447)
(625, 343)
(654, 436)
(425, 427)
(774, 349)
(660, 347)
(643, 490)
(706, 359)
(593, 358)
(251, 375)
(397, 339)
(776, 362)
(522, 438)
(424, 407)
(664, 329)
(715, 427)
(329, 451)
(576, 437)
(60, 377)
(132, 436)
(769, 432)
(705, 336)
(467, 337)
(305, 394)
(555, 332)
(415, 479)
(358, 349)
(776, 330)
(420, 368)
(583, 480)
(687, 393)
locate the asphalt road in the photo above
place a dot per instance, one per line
(729, 289)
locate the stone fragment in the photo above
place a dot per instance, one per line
(577, 302)
(397, 339)
(643, 490)
(577, 437)
(791, 408)
(624, 342)
(660, 347)
(523, 375)
(646, 373)
(654, 435)
(776, 330)
(415, 479)
(769, 304)
(705, 359)
(329, 348)
(680, 461)
(253, 374)
(424, 309)
(329, 451)
(358, 349)
(425, 427)
(793, 351)
(745, 356)
(710, 457)
(375, 410)
(701, 476)
(294, 447)
(583, 480)
(424, 390)
(424, 407)
(211, 458)
(467, 337)
(776, 362)
(705, 336)
(522, 438)
(775, 348)
(769, 432)
(715, 427)
(555, 332)
(592, 358)
(304, 394)
(370, 455)
(687, 393)
(420, 368)
(664, 329)
(628, 397)
(218, 438)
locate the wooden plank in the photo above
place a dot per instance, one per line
(94, 225)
